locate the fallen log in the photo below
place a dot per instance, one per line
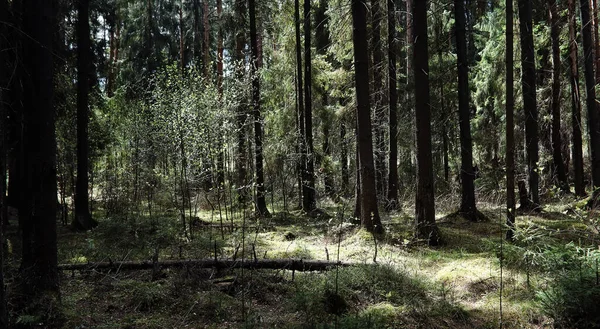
(274, 264)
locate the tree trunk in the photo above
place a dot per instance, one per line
(40, 274)
(3, 111)
(206, 42)
(261, 204)
(467, 207)
(392, 193)
(300, 100)
(575, 104)
(510, 128)
(344, 158)
(242, 155)
(378, 97)
(221, 155)
(369, 213)
(559, 166)
(308, 200)
(426, 228)
(83, 219)
(592, 107)
(528, 85)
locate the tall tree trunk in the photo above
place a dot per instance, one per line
(392, 193)
(528, 85)
(300, 100)
(309, 196)
(557, 158)
(197, 44)
(575, 104)
(40, 274)
(206, 42)
(3, 111)
(425, 204)
(592, 107)
(467, 206)
(242, 155)
(369, 213)
(344, 158)
(261, 204)
(378, 97)
(510, 129)
(221, 155)
(83, 219)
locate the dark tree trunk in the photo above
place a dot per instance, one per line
(308, 200)
(3, 124)
(467, 206)
(197, 47)
(83, 219)
(206, 42)
(575, 105)
(528, 85)
(344, 159)
(261, 204)
(221, 155)
(40, 274)
(559, 166)
(426, 228)
(369, 213)
(592, 107)
(392, 193)
(300, 99)
(510, 132)
(378, 97)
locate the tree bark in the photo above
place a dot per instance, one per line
(261, 204)
(83, 219)
(577, 150)
(3, 124)
(426, 228)
(378, 97)
(369, 213)
(510, 132)
(528, 84)
(467, 207)
(39, 267)
(592, 107)
(242, 155)
(300, 100)
(309, 202)
(558, 163)
(392, 193)
(206, 42)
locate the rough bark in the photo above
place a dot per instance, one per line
(300, 100)
(39, 263)
(592, 107)
(577, 148)
(510, 132)
(309, 202)
(426, 227)
(467, 207)
(3, 111)
(83, 219)
(392, 192)
(557, 159)
(274, 264)
(261, 203)
(528, 84)
(369, 212)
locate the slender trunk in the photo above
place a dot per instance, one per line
(206, 42)
(344, 159)
(467, 206)
(309, 196)
(575, 104)
(510, 133)
(378, 97)
(241, 159)
(221, 155)
(590, 82)
(392, 193)
(300, 100)
(181, 42)
(3, 207)
(83, 219)
(261, 204)
(369, 213)
(528, 84)
(425, 204)
(559, 165)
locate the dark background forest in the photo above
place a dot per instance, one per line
(299, 164)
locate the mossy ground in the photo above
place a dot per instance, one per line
(456, 285)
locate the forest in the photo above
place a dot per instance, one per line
(299, 164)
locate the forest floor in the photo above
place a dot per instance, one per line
(460, 284)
